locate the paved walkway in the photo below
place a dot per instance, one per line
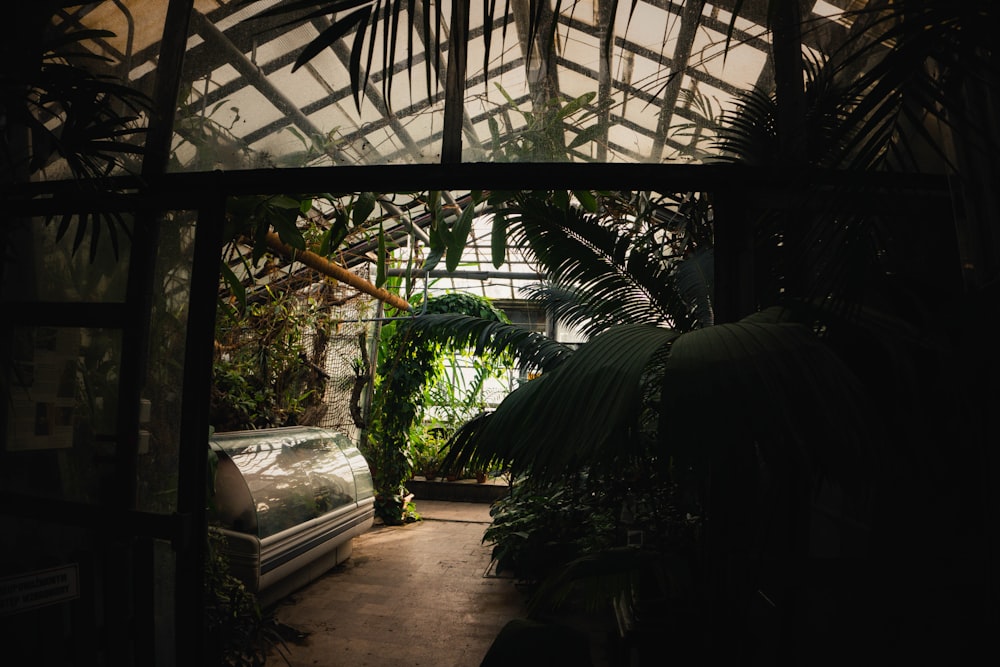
(409, 596)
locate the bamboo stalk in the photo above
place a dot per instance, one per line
(328, 268)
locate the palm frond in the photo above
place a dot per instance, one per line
(367, 17)
(768, 383)
(611, 279)
(579, 414)
(695, 277)
(620, 574)
(481, 335)
(764, 382)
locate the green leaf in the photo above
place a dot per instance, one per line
(586, 135)
(590, 400)
(284, 201)
(575, 105)
(329, 36)
(282, 213)
(235, 286)
(336, 234)
(459, 237)
(498, 239)
(587, 200)
(380, 272)
(363, 208)
(561, 199)
(433, 258)
(494, 132)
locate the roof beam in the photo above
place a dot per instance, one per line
(454, 97)
(207, 30)
(690, 20)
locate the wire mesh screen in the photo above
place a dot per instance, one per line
(299, 357)
(342, 352)
(346, 365)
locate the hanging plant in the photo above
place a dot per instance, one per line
(409, 361)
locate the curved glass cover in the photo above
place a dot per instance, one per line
(293, 474)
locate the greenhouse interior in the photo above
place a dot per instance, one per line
(716, 279)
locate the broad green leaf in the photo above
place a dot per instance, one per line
(498, 239)
(587, 200)
(459, 237)
(235, 286)
(561, 199)
(284, 201)
(363, 208)
(590, 400)
(575, 105)
(282, 213)
(380, 271)
(433, 257)
(336, 234)
(586, 135)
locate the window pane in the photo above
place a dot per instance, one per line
(71, 259)
(61, 402)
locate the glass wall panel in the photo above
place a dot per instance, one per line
(160, 411)
(60, 409)
(48, 573)
(68, 258)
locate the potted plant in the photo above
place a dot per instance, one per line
(425, 451)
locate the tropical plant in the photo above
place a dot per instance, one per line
(539, 528)
(240, 634)
(407, 363)
(269, 362)
(641, 396)
(69, 108)
(66, 114)
(425, 449)
(851, 282)
(542, 138)
(422, 20)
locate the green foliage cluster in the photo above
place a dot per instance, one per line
(409, 360)
(426, 449)
(593, 540)
(268, 362)
(540, 527)
(239, 633)
(542, 138)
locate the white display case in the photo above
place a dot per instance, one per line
(289, 501)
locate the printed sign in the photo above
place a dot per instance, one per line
(39, 589)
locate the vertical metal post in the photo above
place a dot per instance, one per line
(190, 545)
(454, 100)
(735, 292)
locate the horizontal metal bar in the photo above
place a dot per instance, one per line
(101, 518)
(474, 275)
(188, 190)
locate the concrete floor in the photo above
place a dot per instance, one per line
(409, 596)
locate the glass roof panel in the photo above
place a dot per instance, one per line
(250, 99)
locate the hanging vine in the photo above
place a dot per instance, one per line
(408, 362)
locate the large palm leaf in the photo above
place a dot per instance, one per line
(576, 415)
(459, 331)
(762, 380)
(941, 58)
(601, 272)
